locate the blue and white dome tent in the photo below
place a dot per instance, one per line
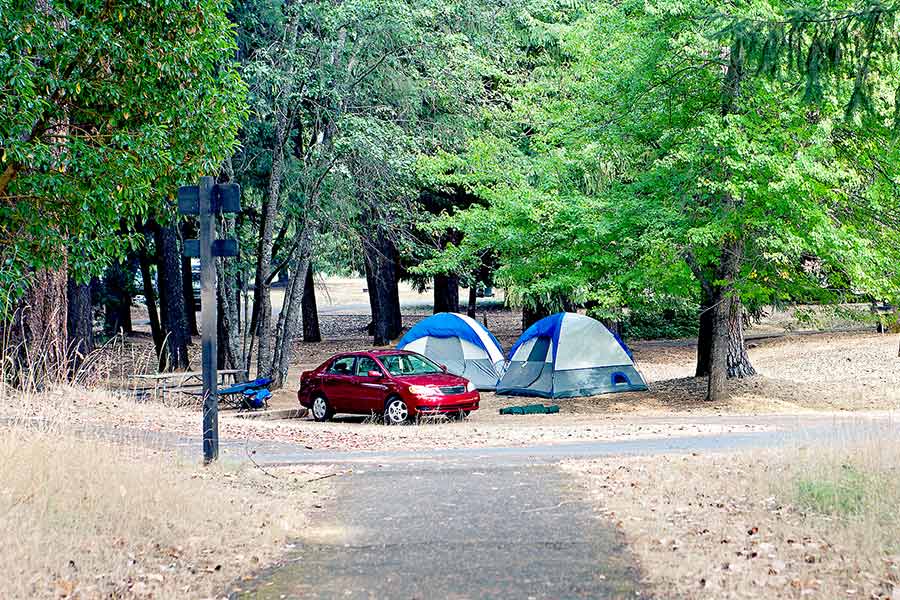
(567, 355)
(461, 343)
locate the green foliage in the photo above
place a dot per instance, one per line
(104, 109)
(369, 85)
(606, 177)
(671, 318)
(822, 43)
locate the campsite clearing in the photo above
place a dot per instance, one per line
(820, 373)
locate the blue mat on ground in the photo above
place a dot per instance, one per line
(530, 409)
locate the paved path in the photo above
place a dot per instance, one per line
(462, 532)
(780, 430)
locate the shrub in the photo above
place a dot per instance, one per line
(665, 319)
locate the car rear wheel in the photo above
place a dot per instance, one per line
(321, 409)
(396, 412)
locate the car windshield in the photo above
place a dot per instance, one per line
(409, 364)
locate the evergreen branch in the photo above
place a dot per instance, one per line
(814, 42)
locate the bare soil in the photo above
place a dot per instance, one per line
(827, 371)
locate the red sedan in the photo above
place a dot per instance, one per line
(399, 384)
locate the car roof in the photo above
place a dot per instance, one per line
(381, 352)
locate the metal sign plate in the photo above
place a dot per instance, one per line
(189, 200)
(225, 248)
(227, 198)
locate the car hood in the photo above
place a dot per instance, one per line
(439, 379)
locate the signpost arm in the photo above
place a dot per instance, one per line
(208, 320)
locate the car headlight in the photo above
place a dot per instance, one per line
(470, 387)
(422, 390)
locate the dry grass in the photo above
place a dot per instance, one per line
(90, 518)
(814, 522)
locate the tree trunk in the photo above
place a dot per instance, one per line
(229, 309)
(79, 323)
(172, 297)
(261, 323)
(446, 293)
(473, 300)
(705, 335)
(117, 300)
(290, 318)
(533, 314)
(718, 355)
(374, 307)
(737, 362)
(311, 331)
(46, 321)
(38, 339)
(384, 294)
(728, 355)
(156, 331)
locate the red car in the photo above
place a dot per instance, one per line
(399, 384)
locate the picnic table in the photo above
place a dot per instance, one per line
(186, 382)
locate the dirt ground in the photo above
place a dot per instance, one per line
(833, 371)
(797, 373)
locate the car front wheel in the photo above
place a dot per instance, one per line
(321, 409)
(396, 412)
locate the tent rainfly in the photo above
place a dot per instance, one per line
(567, 355)
(460, 343)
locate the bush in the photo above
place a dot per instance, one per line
(668, 320)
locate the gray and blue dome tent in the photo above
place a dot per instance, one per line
(567, 355)
(461, 343)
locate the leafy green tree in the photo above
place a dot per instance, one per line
(104, 109)
(652, 153)
(345, 96)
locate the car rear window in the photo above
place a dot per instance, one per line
(366, 364)
(342, 366)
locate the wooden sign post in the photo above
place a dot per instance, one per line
(208, 200)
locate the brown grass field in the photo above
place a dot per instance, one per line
(806, 522)
(88, 517)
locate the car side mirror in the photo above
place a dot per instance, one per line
(443, 368)
(376, 374)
